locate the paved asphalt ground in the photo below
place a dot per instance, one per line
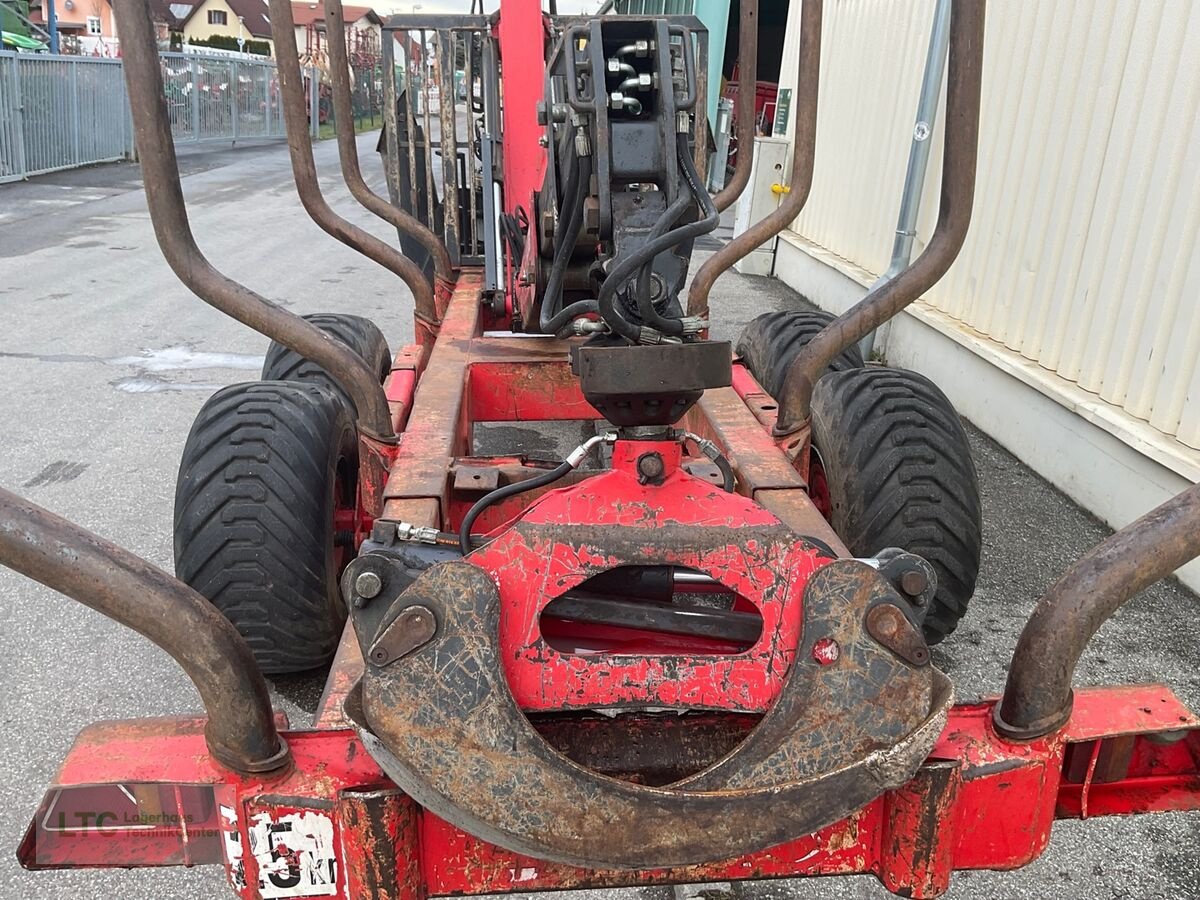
(105, 360)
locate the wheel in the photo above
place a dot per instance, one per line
(893, 457)
(266, 470)
(771, 341)
(360, 335)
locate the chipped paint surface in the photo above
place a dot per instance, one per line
(685, 522)
(295, 855)
(235, 864)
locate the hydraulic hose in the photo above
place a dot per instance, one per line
(650, 315)
(626, 267)
(713, 453)
(551, 318)
(572, 461)
(509, 490)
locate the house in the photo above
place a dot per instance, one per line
(85, 27)
(364, 32)
(233, 19)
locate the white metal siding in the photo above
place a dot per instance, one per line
(1084, 249)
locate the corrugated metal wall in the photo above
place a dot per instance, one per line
(1084, 252)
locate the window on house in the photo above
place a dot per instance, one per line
(217, 17)
(93, 25)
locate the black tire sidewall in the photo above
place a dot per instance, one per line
(264, 458)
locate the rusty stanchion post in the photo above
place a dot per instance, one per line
(803, 154)
(747, 78)
(1037, 696)
(304, 170)
(964, 81)
(343, 120)
(240, 733)
(164, 198)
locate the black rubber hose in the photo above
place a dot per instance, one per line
(650, 315)
(645, 305)
(626, 267)
(550, 318)
(726, 473)
(509, 490)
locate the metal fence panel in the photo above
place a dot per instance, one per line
(59, 112)
(214, 98)
(12, 144)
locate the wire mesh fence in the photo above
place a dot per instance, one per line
(60, 112)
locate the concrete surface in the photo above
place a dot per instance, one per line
(105, 360)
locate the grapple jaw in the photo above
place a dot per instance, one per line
(848, 724)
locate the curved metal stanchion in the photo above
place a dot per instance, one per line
(1037, 697)
(241, 733)
(803, 154)
(747, 78)
(164, 197)
(304, 169)
(964, 80)
(343, 121)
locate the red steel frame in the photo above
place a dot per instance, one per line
(147, 792)
(978, 802)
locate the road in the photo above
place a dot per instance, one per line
(105, 360)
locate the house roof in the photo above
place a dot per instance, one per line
(310, 13)
(172, 12)
(253, 13)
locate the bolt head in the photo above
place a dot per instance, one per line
(368, 584)
(913, 582)
(650, 466)
(616, 100)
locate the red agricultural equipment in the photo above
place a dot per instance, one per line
(703, 655)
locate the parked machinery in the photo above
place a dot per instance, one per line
(705, 657)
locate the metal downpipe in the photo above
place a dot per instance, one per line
(747, 66)
(1037, 696)
(918, 154)
(343, 120)
(164, 197)
(304, 169)
(809, 70)
(964, 78)
(240, 733)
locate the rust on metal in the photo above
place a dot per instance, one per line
(343, 116)
(241, 732)
(443, 81)
(1037, 696)
(643, 747)
(804, 154)
(168, 214)
(918, 834)
(960, 147)
(304, 168)
(747, 94)
(762, 471)
(443, 725)
(413, 628)
(379, 832)
(888, 625)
